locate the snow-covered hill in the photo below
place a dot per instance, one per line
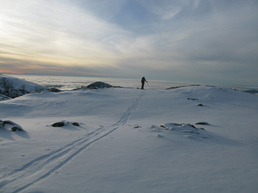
(14, 87)
(130, 140)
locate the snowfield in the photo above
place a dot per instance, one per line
(121, 140)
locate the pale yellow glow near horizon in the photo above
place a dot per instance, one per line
(27, 41)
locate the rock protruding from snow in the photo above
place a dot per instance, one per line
(65, 123)
(188, 130)
(183, 128)
(10, 125)
(1, 124)
(202, 123)
(54, 90)
(4, 97)
(99, 84)
(193, 99)
(15, 87)
(252, 91)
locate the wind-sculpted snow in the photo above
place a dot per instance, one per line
(44, 166)
(130, 140)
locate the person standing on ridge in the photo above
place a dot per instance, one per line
(143, 81)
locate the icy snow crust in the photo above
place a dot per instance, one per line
(131, 140)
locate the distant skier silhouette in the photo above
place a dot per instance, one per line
(143, 82)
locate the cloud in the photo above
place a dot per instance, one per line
(164, 39)
(60, 32)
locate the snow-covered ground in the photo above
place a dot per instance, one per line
(130, 140)
(14, 87)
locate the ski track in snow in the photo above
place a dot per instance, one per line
(42, 167)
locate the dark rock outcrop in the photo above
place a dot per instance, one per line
(10, 125)
(193, 99)
(58, 124)
(14, 87)
(202, 123)
(65, 123)
(99, 84)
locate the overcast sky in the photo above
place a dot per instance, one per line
(205, 41)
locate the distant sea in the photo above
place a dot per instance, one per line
(73, 82)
